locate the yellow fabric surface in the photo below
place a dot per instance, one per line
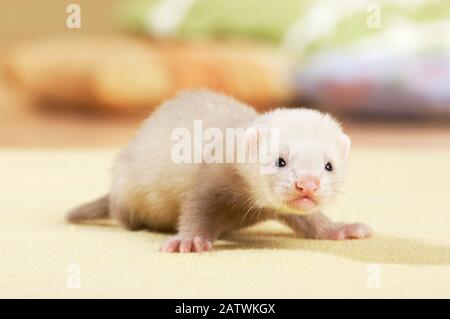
(402, 194)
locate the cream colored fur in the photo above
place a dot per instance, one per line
(202, 201)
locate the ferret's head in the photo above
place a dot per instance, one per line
(308, 167)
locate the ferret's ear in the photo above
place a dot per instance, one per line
(346, 143)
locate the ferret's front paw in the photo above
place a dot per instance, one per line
(195, 244)
(350, 231)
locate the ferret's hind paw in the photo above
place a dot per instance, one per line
(350, 231)
(195, 244)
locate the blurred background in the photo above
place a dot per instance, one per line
(85, 73)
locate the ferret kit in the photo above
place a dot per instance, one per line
(162, 182)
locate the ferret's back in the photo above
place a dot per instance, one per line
(214, 109)
(145, 178)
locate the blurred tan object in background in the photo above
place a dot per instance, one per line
(133, 75)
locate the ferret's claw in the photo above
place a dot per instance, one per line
(171, 246)
(201, 245)
(186, 245)
(350, 231)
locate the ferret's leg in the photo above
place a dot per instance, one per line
(198, 225)
(318, 226)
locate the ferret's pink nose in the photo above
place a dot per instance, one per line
(308, 184)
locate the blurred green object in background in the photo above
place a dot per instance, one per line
(202, 19)
(303, 26)
(384, 57)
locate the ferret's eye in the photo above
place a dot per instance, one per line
(280, 162)
(328, 167)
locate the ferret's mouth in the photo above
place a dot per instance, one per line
(303, 203)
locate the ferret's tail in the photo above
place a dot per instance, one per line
(96, 209)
